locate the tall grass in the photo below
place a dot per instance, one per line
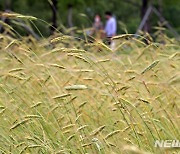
(59, 95)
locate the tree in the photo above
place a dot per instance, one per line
(70, 15)
(7, 5)
(54, 4)
(7, 8)
(160, 7)
(144, 8)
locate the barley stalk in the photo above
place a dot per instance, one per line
(150, 67)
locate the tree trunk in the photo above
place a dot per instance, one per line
(160, 7)
(144, 8)
(70, 13)
(7, 8)
(54, 15)
(7, 5)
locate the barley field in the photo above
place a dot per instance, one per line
(66, 95)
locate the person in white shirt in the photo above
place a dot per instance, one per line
(110, 27)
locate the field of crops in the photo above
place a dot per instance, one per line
(64, 95)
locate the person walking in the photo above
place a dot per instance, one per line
(110, 28)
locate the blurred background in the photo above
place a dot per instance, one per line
(79, 14)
